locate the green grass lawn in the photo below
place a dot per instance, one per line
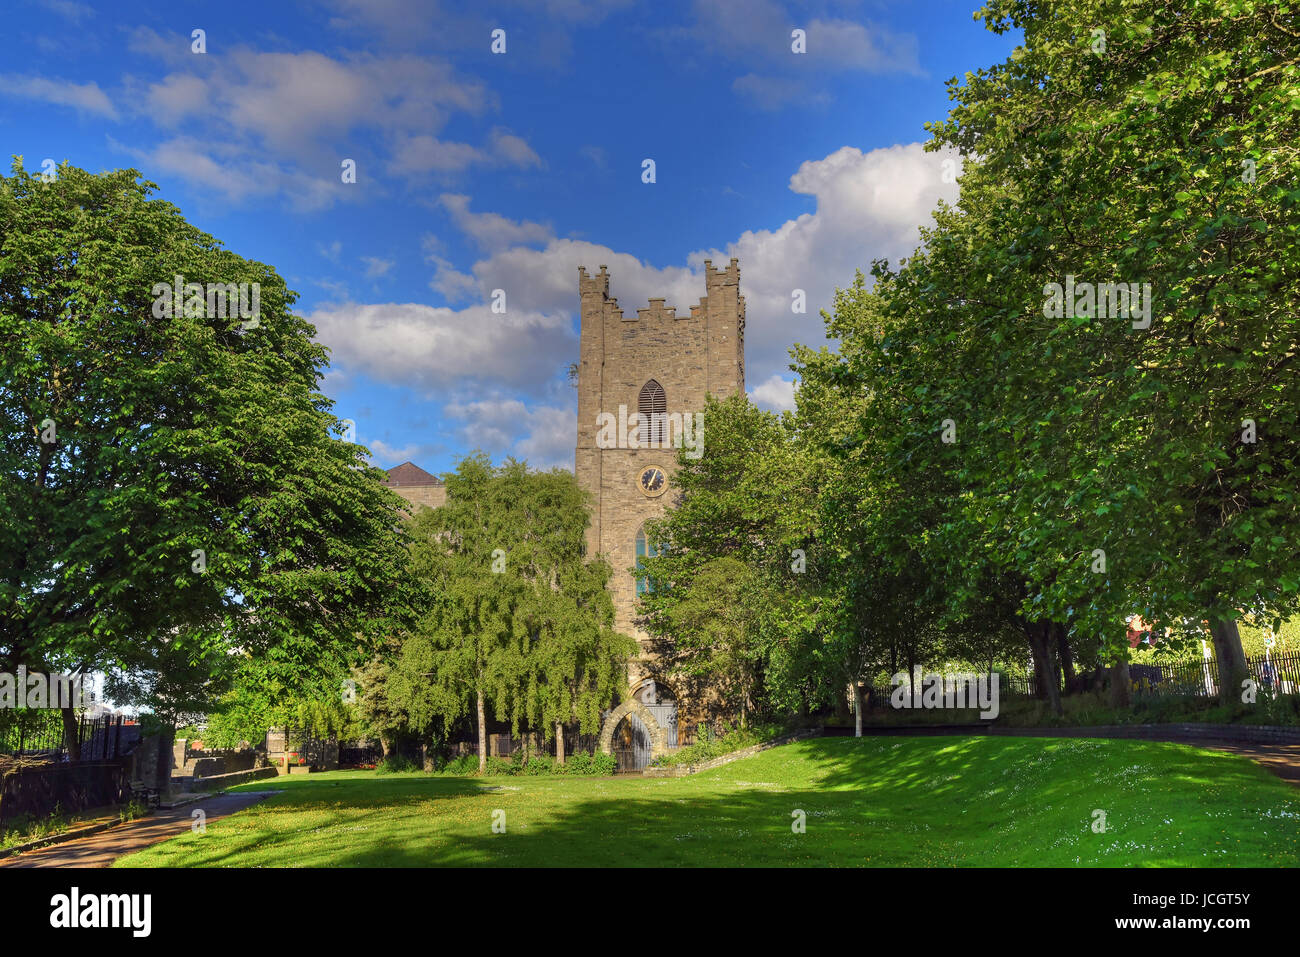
(887, 802)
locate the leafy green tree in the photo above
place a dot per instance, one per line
(742, 524)
(578, 662)
(1157, 156)
(519, 618)
(171, 486)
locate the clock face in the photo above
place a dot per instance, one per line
(653, 480)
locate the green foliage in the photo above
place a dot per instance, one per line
(396, 764)
(540, 764)
(520, 618)
(461, 766)
(711, 746)
(131, 810)
(989, 446)
(734, 611)
(581, 764)
(26, 828)
(27, 725)
(588, 764)
(129, 441)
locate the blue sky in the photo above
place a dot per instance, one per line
(478, 171)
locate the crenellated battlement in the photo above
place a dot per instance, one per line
(593, 291)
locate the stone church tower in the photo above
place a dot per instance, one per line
(655, 362)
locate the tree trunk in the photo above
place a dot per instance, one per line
(1121, 685)
(1231, 659)
(70, 734)
(1067, 660)
(841, 706)
(857, 710)
(482, 735)
(559, 743)
(1044, 667)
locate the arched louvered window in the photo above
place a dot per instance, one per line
(653, 408)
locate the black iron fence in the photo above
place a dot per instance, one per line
(40, 733)
(1272, 674)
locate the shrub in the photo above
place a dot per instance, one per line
(502, 766)
(396, 764)
(581, 763)
(715, 746)
(584, 763)
(461, 766)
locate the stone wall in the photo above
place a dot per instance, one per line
(322, 754)
(434, 496)
(681, 770)
(219, 781)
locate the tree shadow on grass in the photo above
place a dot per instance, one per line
(868, 802)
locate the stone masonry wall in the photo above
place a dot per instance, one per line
(689, 355)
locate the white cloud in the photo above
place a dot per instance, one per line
(774, 93)
(860, 46)
(82, 97)
(381, 451)
(757, 33)
(760, 30)
(69, 9)
(596, 154)
(507, 371)
(376, 267)
(176, 96)
(775, 393)
(492, 231)
(437, 350)
(234, 175)
(869, 206)
(513, 150)
(543, 435)
(427, 154)
(291, 116)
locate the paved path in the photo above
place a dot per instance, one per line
(1282, 759)
(100, 850)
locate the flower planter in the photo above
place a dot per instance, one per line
(299, 768)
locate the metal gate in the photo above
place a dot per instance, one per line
(631, 745)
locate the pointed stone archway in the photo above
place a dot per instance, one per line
(658, 736)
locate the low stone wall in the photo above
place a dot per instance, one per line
(681, 770)
(218, 781)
